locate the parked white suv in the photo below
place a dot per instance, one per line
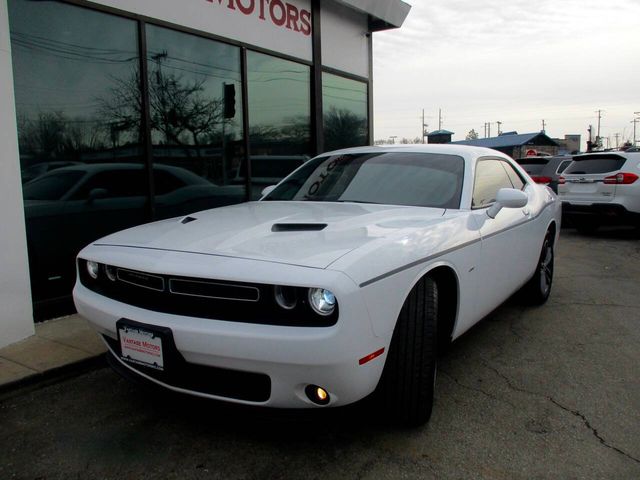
(601, 188)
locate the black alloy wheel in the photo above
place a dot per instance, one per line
(538, 288)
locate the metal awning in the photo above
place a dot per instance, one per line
(384, 14)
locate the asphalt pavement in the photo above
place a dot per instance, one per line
(530, 393)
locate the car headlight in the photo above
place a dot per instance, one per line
(93, 268)
(322, 301)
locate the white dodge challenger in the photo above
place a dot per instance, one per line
(342, 281)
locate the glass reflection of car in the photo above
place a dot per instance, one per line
(71, 206)
(34, 171)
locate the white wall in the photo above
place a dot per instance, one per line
(215, 16)
(345, 45)
(16, 315)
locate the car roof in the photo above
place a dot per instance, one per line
(603, 155)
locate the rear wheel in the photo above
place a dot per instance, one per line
(407, 384)
(537, 290)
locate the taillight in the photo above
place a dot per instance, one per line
(621, 179)
(561, 181)
(545, 180)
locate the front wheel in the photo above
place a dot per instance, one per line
(406, 387)
(537, 290)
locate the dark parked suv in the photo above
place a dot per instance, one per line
(545, 170)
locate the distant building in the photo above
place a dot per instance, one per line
(569, 145)
(517, 145)
(439, 136)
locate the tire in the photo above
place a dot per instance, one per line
(538, 288)
(405, 391)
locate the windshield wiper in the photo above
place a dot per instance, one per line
(357, 201)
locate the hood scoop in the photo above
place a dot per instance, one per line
(298, 227)
(188, 219)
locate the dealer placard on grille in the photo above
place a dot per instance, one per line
(141, 347)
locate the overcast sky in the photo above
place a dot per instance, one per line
(513, 61)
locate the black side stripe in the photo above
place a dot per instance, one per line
(449, 250)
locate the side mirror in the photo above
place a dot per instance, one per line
(267, 190)
(97, 194)
(507, 198)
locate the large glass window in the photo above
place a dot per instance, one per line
(195, 101)
(345, 104)
(78, 110)
(279, 116)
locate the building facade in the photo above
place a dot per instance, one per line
(120, 112)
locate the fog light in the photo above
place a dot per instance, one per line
(111, 272)
(286, 297)
(317, 395)
(93, 268)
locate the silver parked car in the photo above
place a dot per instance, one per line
(601, 188)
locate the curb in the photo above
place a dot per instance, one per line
(52, 376)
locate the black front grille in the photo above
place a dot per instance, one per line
(203, 298)
(220, 291)
(221, 382)
(140, 279)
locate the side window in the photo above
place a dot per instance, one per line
(514, 176)
(117, 183)
(564, 164)
(490, 177)
(166, 182)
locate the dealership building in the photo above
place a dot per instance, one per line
(115, 113)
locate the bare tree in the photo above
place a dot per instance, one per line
(344, 128)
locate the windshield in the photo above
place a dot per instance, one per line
(389, 178)
(51, 187)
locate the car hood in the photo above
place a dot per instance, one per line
(311, 234)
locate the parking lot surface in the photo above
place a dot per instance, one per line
(544, 392)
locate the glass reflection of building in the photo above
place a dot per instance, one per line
(123, 121)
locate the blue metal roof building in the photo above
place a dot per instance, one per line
(516, 145)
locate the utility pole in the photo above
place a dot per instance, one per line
(489, 129)
(599, 112)
(635, 122)
(425, 127)
(485, 129)
(499, 127)
(617, 135)
(544, 126)
(590, 141)
(393, 139)
(440, 119)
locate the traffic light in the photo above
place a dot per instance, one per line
(229, 100)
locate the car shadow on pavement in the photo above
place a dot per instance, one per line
(606, 233)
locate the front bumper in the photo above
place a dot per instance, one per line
(290, 358)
